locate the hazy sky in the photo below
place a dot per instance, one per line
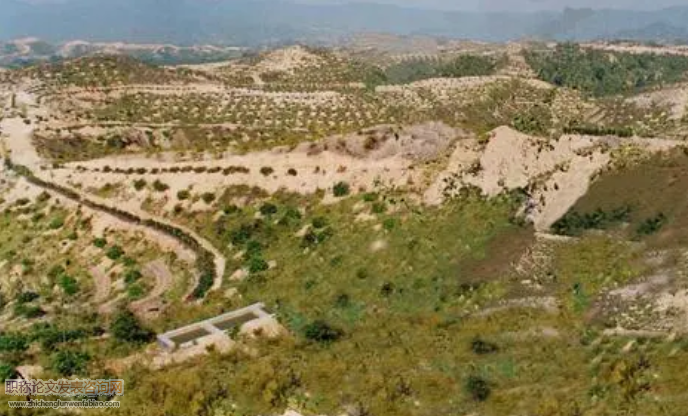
(486, 5)
(524, 5)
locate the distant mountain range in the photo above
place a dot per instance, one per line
(27, 51)
(260, 22)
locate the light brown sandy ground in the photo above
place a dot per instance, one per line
(675, 98)
(637, 49)
(288, 60)
(15, 134)
(557, 173)
(354, 159)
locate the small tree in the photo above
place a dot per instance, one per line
(160, 186)
(68, 284)
(125, 327)
(7, 371)
(268, 209)
(478, 388)
(183, 195)
(114, 252)
(208, 197)
(139, 184)
(70, 362)
(482, 347)
(321, 331)
(341, 189)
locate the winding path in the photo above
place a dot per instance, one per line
(163, 282)
(22, 151)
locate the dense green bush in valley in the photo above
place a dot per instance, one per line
(69, 362)
(321, 331)
(589, 130)
(605, 73)
(125, 327)
(7, 371)
(651, 225)
(574, 223)
(419, 69)
(10, 342)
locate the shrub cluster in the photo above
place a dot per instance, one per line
(574, 223)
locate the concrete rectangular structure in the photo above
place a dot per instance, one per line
(218, 326)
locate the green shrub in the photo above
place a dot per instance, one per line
(267, 171)
(139, 184)
(13, 342)
(342, 301)
(26, 297)
(135, 291)
(114, 252)
(253, 249)
(184, 194)
(56, 271)
(651, 225)
(319, 222)
(7, 371)
(128, 262)
(43, 197)
(313, 238)
(291, 216)
(241, 235)
(341, 189)
(257, 264)
(208, 197)
(478, 388)
(389, 223)
(68, 284)
(536, 120)
(69, 362)
(268, 209)
(56, 223)
(99, 242)
(322, 332)
(126, 328)
(131, 276)
(482, 347)
(379, 207)
(370, 197)
(230, 209)
(28, 311)
(574, 223)
(159, 186)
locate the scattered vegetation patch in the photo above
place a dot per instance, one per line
(604, 73)
(574, 223)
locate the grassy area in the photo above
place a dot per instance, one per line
(383, 316)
